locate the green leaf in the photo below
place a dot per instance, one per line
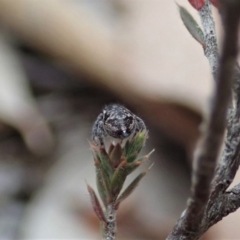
(191, 25)
(130, 167)
(111, 147)
(118, 179)
(96, 205)
(103, 184)
(130, 188)
(105, 161)
(116, 155)
(134, 146)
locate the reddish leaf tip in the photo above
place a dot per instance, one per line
(197, 4)
(215, 3)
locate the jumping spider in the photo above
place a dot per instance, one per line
(116, 121)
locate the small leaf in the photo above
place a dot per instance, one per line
(96, 205)
(103, 184)
(134, 146)
(118, 179)
(100, 154)
(105, 161)
(130, 167)
(95, 150)
(191, 25)
(197, 4)
(111, 147)
(116, 155)
(131, 187)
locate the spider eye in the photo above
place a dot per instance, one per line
(129, 120)
(128, 131)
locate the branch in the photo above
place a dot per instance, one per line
(229, 163)
(230, 159)
(210, 46)
(191, 224)
(222, 206)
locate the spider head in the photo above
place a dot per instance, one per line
(119, 122)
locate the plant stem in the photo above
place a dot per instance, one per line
(110, 228)
(210, 49)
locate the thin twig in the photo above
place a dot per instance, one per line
(230, 159)
(110, 229)
(222, 206)
(222, 203)
(210, 46)
(190, 225)
(226, 172)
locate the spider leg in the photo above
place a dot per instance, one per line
(98, 132)
(140, 125)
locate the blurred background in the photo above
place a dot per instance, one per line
(61, 61)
